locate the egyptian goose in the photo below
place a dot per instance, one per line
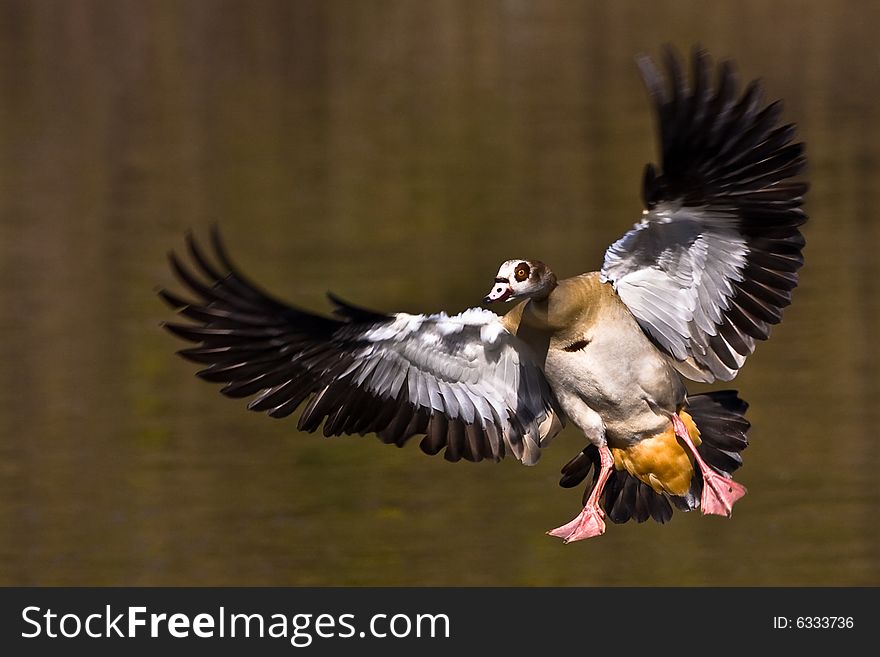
(685, 294)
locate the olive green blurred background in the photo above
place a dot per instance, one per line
(394, 152)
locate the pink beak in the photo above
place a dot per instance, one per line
(499, 292)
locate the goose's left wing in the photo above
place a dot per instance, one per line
(464, 381)
(716, 255)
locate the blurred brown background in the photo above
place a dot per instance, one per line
(394, 152)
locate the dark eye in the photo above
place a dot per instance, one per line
(522, 272)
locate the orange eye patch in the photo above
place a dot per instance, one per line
(522, 272)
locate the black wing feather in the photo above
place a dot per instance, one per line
(284, 357)
(725, 163)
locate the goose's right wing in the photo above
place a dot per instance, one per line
(716, 255)
(465, 382)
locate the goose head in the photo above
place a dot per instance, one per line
(521, 279)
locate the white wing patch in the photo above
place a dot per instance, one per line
(675, 272)
(467, 367)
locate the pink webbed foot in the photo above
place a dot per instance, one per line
(720, 493)
(590, 521)
(587, 524)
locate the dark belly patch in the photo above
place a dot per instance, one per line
(577, 345)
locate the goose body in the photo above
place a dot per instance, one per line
(683, 295)
(607, 376)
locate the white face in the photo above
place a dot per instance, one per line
(513, 281)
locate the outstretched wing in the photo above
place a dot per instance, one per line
(465, 382)
(716, 255)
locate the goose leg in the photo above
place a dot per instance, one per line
(589, 522)
(719, 492)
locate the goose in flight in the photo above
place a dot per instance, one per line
(685, 294)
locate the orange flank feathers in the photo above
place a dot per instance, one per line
(662, 461)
